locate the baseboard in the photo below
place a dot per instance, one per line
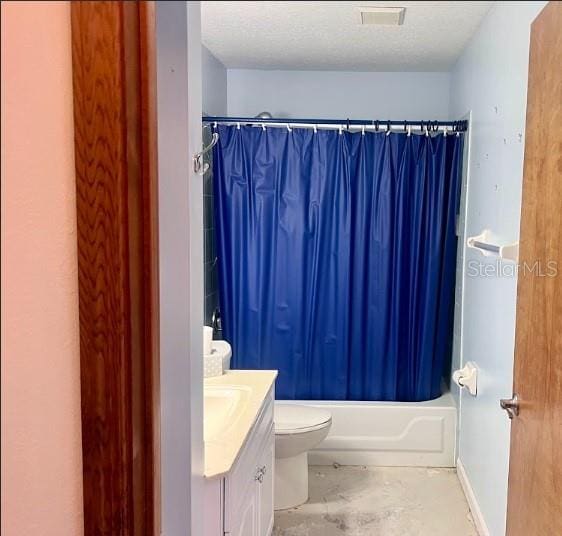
(477, 516)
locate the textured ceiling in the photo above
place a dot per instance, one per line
(328, 36)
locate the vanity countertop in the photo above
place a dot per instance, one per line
(223, 449)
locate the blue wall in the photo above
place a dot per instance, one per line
(330, 94)
(214, 103)
(490, 79)
(214, 83)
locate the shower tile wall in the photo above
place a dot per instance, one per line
(210, 256)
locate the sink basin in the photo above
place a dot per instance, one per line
(221, 408)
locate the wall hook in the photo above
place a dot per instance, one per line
(198, 166)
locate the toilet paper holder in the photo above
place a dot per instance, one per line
(467, 377)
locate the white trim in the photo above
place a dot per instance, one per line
(465, 193)
(477, 516)
(180, 218)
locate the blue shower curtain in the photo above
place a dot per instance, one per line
(337, 258)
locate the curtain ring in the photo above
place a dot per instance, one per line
(409, 130)
(362, 130)
(377, 125)
(263, 126)
(237, 126)
(388, 128)
(289, 128)
(405, 128)
(348, 124)
(315, 127)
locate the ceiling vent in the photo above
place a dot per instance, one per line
(387, 16)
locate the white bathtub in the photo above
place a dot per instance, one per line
(388, 433)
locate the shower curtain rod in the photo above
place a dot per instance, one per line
(456, 126)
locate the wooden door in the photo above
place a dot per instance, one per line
(535, 472)
(115, 139)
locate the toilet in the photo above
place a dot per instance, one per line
(298, 429)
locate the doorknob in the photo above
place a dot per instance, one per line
(511, 405)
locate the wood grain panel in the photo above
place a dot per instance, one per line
(116, 183)
(535, 474)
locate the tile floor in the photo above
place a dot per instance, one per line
(379, 501)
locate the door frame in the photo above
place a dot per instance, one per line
(137, 118)
(178, 46)
(113, 60)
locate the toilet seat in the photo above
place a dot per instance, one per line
(298, 419)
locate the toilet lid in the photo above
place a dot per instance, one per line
(293, 418)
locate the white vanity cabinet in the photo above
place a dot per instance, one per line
(241, 502)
